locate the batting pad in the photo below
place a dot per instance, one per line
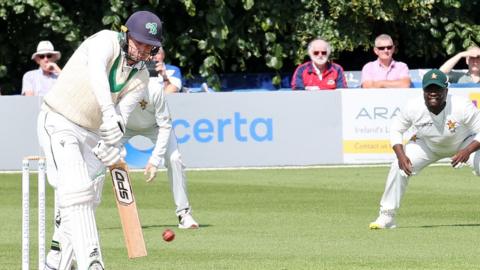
(81, 229)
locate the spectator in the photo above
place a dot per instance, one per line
(472, 57)
(38, 82)
(319, 73)
(168, 76)
(385, 72)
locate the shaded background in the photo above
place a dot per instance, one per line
(208, 39)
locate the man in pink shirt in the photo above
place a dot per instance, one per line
(385, 72)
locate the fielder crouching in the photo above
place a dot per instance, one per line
(446, 126)
(90, 103)
(151, 118)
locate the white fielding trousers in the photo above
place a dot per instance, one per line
(420, 156)
(175, 168)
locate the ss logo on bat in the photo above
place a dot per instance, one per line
(122, 186)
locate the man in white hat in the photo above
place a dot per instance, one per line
(39, 81)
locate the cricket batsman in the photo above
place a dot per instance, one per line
(446, 126)
(151, 119)
(81, 123)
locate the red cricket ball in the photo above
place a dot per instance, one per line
(168, 235)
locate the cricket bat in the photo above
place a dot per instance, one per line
(127, 209)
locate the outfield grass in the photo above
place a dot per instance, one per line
(284, 219)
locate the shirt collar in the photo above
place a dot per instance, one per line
(314, 68)
(392, 64)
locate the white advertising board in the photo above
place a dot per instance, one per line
(258, 128)
(366, 118)
(243, 129)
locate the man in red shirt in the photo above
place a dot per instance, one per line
(319, 73)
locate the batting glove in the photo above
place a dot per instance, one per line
(108, 154)
(112, 127)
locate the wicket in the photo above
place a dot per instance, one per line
(26, 210)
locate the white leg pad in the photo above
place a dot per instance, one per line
(60, 259)
(60, 256)
(77, 195)
(81, 230)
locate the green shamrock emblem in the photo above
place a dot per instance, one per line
(152, 27)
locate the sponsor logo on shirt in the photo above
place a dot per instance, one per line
(427, 124)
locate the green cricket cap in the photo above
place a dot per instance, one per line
(436, 77)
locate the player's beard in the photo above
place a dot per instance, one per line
(320, 61)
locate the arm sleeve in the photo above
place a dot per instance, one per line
(297, 80)
(164, 123)
(99, 53)
(404, 71)
(174, 76)
(27, 83)
(472, 118)
(366, 74)
(341, 81)
(400, 124)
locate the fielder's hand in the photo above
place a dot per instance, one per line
(108, 154)
(112, 128)
(150, 172)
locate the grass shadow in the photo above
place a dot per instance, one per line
(169, 226)
(156, 226)
(441, 225)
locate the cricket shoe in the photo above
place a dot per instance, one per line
(186, 221)
(385, 220)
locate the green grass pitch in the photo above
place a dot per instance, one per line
(313, 218)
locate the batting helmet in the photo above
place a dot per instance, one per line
(145, 27)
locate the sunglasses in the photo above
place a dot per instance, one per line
(381, 48)
(41, 56)
(319, 52)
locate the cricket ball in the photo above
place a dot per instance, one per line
(168, 235)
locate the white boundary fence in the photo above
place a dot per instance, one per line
(252, 129)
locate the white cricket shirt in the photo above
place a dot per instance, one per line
(442, 133)
(151, 116)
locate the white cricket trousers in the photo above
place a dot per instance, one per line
(420, 156)
(74, 173)
(175, 168)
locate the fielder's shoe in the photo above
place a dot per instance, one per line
(186, 221)
(386, 220)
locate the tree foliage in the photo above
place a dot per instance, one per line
(211, 37)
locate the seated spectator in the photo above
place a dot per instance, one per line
(39, 81)
(385, 72)
(168, 76)
(472, 57)
(319, 73)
